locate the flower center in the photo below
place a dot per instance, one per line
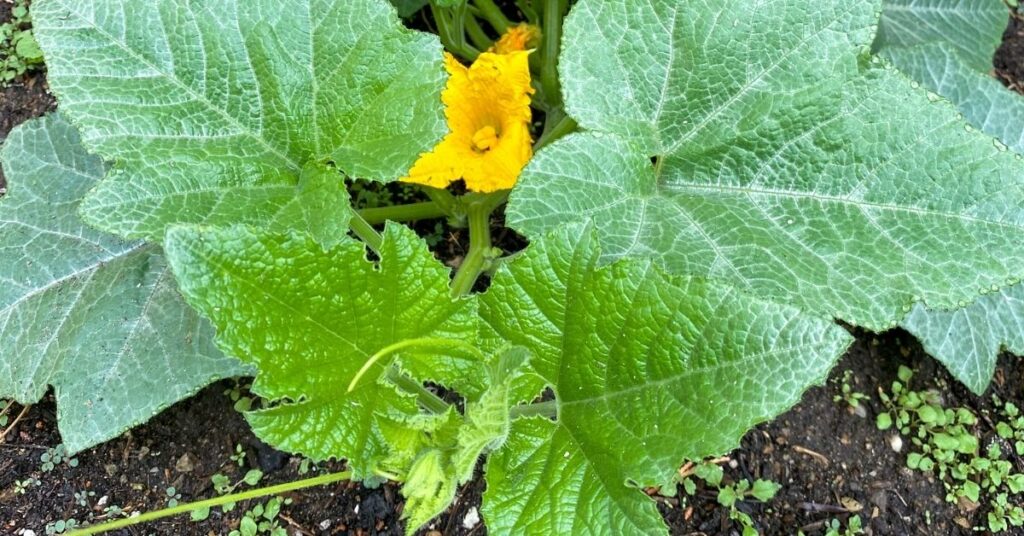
(485, 139)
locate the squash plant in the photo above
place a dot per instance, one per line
(714, 182)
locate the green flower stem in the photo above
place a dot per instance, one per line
(546, 409)
(424, 343)
(475, 262)
(554, 11)
(451, 31)
(493, 14)
(427, 399)
(558, 125)
(366, 232)
(445, 200)
(476, 33)
(412, 212)
(218, 501)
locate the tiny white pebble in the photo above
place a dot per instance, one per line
(472, 518)
(103, 501)
(325, 524)
(356, 509)
(896, 442)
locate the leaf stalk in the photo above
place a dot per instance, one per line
(210, 503)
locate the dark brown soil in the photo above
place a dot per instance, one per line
(827, 459)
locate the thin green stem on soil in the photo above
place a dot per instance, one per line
(493, 14)
(546, 409)
(427, 399)
(475, 262)
(218, 501)
(425, 343)
(366, 232)
(427, 210)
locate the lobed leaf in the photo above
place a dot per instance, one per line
(647, 369)
(968, 340)
(973, 28)
(98, 318)
(310, 317)
(786, 164)
(212, 109)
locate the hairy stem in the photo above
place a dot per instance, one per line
(451, 31)
(554, 10)
(473, 265)
(366, 232)
(424, 343)
(476, 33)
(411, 212)
(218, 501)
(427, 399)
(557, 125)
(547, 409)
(493, 14)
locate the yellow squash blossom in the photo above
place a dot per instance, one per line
(521, 37)
(488, 110)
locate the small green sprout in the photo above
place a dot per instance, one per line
(852, 398)
(19, 52)
(945, 442)
(54, 457)
(731, 494)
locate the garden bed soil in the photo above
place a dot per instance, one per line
(831, 463)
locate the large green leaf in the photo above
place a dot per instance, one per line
(212, 109)
(309, 318)
(967, 341)
(973, 28)
(648, 369)
(786, 163)
(97, 318)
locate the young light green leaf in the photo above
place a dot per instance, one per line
(436, 454)
(786, 163)
(97, 318)
(648, 369)
(968, 340)
(211, 109)
(309, 318)
(974, 28)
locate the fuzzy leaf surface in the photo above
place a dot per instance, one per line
(211, 109)
(309, 318)
(786, 163)
(97, 318)
(973, 28)
(647, 368)
(967, 341)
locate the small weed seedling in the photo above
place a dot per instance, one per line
(19, 52)
(61, 526)
(239, 456)
(21, 486)
(54, 457)
(82, 497)
(262, 520)
(731, 494)
(944, 443)
(222, 485)
(852, 398)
